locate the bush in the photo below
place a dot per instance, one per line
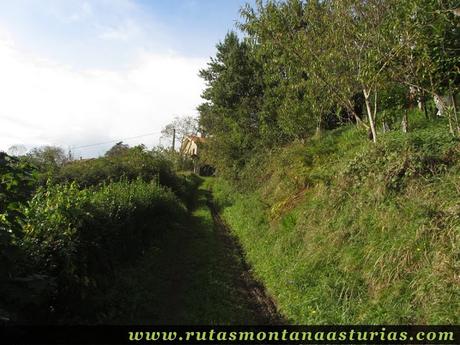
(129, 164)
(17, 182)
(399, 157)
(77, 238)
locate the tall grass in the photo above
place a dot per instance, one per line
(342, 231)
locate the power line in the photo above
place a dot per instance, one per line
(114, 141)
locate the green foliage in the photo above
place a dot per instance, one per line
(117, 150)
(63, 244)
(230, 112)
(17, 182)
(129, 164)
(372, 237)
(432, 60)
(78, 237)
(399, 158)
(48, 159)
(306, 66)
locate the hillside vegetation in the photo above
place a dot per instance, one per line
(64, 242)
(345, 231)
(121, 239)
(333, 127)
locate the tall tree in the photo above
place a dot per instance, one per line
(428, 33)
(231, 112)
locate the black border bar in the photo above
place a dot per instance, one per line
(308, 334)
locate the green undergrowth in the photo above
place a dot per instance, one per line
(74, 241)
(344, 231)
(71, 245)
(188, 277)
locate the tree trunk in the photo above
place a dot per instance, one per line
(370, 115)
(420, 100)
(449, 110)
(385, 127)
(405, 122)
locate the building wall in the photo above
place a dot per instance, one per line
(190, 148)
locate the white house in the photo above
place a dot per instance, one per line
(191, 145)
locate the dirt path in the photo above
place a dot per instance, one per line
(218, 286)
(194, 274)
(259, 301)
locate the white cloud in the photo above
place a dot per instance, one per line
(121, 32)
(45, 102)
(72, 12)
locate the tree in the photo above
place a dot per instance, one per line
(304, 61)
(17, 150)
(117, 150)
(180, 127)
(428, 50)
(299, 39)
(293, 103)
(47, 158)
(357, 39)
(231, 113)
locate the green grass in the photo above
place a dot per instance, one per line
(342, 231)
(213, 295)
(189, 276)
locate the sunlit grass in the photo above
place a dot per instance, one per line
(372, 236)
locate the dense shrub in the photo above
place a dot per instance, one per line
(400, 157)
(130, 164)
(75, 239)
(17, 182)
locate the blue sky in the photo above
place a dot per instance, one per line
(76, 72)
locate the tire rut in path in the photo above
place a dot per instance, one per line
(260, 302)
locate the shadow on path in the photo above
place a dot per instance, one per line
(195, 275)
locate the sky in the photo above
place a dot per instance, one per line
(75, 73)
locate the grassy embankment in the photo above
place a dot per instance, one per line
(344, 231)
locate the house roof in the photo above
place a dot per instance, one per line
(196, 138)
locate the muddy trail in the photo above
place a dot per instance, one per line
(196, 274)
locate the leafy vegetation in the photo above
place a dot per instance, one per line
(77, 237)
(334, 131)
(308, 66)
(333, 128)
(64, 241)
(344, 231)
(191, 276)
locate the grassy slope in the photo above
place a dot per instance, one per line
(342, 231)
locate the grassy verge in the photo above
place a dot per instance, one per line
(370, 235)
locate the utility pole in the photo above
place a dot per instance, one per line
(69, 155)
(174, 140)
